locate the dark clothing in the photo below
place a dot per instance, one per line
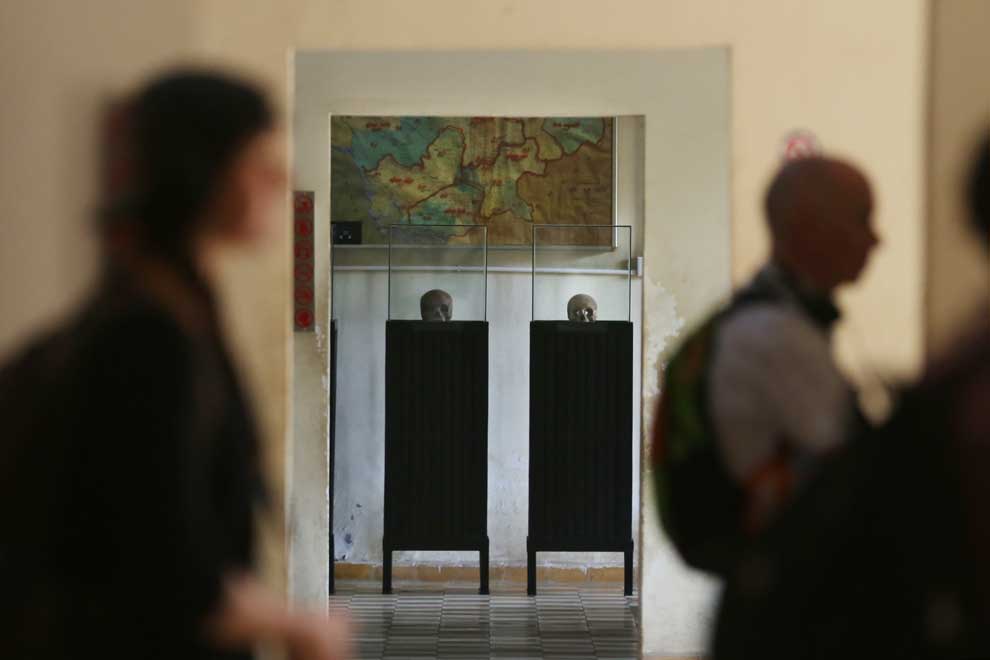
(887, 553)
(129, 480)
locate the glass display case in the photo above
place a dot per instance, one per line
(581, 394)
(436, 393)
(582, 273)
(437, 272)
(356, 271)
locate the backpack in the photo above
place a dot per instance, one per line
(701, 505)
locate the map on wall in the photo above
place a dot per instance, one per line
(505, 173)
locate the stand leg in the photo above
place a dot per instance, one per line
(530, 569)
(629, 569)
(483, 568)
(386, 568)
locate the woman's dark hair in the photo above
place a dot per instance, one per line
(172, 143)
(978, 190)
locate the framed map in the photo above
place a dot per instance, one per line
(503, 172)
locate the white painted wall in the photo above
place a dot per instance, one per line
(360, 308)
(684, 99)
(360, 302)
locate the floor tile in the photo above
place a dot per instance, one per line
(455, 622)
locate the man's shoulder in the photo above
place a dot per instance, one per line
(767, 322)
(770, 336)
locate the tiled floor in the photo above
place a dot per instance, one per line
(453, 622)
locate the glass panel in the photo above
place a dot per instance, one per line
(452, 259)
(356, 270)
(582, 260)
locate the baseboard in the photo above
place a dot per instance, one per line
(504, 574)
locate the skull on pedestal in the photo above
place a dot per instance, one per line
(436, 305)
(582, 308)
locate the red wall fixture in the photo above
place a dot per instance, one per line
(304, 303)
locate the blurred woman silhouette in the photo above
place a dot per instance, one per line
(130, 474)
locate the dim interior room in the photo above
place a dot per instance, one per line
(671, 114)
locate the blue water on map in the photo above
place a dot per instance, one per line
(407, 143)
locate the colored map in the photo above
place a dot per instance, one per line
(506, 173)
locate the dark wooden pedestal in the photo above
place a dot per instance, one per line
(580, 441)
(436, 440)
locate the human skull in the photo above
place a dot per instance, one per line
(436, 305)
(582, 308)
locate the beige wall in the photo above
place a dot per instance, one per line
(58, 68)
(852, 71)
(682, 96)
(958, 277)
(61, 62)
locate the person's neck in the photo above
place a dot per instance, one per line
(804, 284)
(817, 302)
(180, 283)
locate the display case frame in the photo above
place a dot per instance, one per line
(551, 255)
(581, 407)
(422, 249)
(436, 403)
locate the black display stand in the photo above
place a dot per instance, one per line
(331, 431)
(436, 440)
(580, 440)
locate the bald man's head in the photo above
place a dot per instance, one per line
(818, 210)
(811, 189)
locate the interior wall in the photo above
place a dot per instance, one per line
(793, 62)
(851, 71)
(683, 97)
(959, 115)
(359, 302)
(61, 63)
